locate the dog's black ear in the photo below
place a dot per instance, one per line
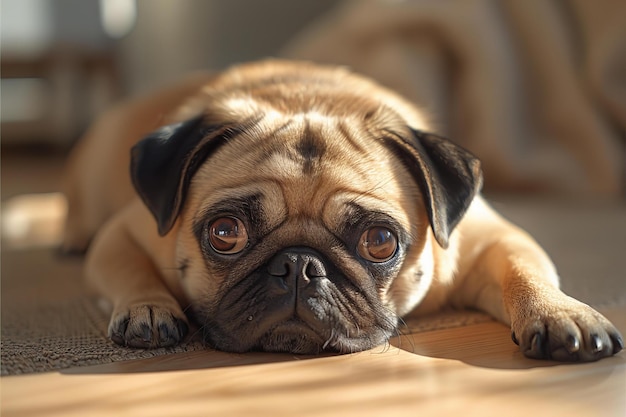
(163, 163)
(448, 176)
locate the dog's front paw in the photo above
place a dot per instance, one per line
(565, 330)
(147, 326)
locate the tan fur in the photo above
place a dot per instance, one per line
(489, 264)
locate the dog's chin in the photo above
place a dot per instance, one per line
(296, 337)
(292, 337)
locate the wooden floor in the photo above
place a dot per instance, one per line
(472, 370)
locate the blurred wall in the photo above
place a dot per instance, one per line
(57, 70)
(174, 37)
(62, 65)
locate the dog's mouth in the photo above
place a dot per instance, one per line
(292, 336)
(296, 335)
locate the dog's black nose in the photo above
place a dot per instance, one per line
(296, 266)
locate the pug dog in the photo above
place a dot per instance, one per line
(293, 207)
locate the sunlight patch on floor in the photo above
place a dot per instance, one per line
(33, 220)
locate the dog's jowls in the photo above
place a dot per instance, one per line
(298, 208)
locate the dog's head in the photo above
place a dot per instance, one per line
(306, 203)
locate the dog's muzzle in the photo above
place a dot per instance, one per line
(299, 302)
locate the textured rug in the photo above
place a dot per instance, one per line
(64, 335)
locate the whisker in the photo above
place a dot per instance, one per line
(407, 335)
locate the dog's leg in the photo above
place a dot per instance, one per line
(512, 278)
(145, 311)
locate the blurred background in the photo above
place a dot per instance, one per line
(537, 89)
(63, 61)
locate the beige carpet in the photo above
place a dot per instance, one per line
(49, 322)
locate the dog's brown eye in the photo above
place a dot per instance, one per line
(377, 244)
(228, 235)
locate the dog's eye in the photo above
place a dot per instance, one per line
(228, 235)
(377, 244)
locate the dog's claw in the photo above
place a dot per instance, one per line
(567, 352)
(146, 334)
(170, 335)
(183, 327)
(572, 344)
(618, 342)
(537, 347)
(596, 343)
(117, 332)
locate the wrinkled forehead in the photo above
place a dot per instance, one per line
(305, 146)
(315, 148)
(310, 160)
